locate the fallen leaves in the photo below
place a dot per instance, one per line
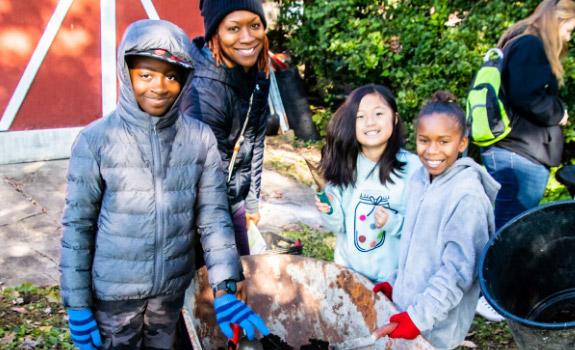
(20, 310)
(32, 317)
(53, 297)
(469, 344)
(29, 343)
(485, 334)
(7, 339)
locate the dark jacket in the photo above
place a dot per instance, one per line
(139, 188)
(219, 96)
(531, 92)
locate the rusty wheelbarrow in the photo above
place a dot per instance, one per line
(299, 299)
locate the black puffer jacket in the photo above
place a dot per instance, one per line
(532, 92)
(219, 96)
(139, 187)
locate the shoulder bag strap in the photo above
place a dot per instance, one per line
(240, 140)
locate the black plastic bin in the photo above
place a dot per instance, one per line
(566, 176)
(527, 273)
(296, 105)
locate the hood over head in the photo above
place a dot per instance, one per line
(154, 38)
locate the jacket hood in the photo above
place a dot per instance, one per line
(490, 186)
(145, 35)
(205, 67)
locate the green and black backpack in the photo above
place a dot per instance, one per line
(486, 116)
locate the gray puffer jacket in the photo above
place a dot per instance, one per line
(139, 188)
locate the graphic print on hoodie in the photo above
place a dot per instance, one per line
(360, 246)
(366, 235)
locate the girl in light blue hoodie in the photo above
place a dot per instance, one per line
(366, 168)
(448, 222)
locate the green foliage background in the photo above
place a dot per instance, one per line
(348, 43)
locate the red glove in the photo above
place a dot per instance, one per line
(406, 329)
(385, 288)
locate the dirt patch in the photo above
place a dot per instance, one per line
(286, 155)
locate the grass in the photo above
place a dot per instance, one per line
(286, 156)
(555, 191)
(32, 317)
(316, 244)
(489, 335)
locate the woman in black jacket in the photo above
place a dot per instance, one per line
(229, 92)
(532, 74)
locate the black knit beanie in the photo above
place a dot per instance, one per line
(214, 11)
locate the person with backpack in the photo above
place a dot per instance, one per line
(514, 112)
(531, 76)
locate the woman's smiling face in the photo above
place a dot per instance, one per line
(241, 37)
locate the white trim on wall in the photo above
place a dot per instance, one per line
(150, 9)
(35, 63)
(36, 145)
(108, 54)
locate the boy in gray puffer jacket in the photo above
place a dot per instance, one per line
(142, 181)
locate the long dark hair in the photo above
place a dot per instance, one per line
(339, 155)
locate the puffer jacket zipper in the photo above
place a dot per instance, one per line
(157, 173)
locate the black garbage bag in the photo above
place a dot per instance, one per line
(273, 125)
(295, 103)
(566, 176)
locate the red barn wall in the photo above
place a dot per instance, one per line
(67, 90)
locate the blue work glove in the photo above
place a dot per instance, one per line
(230, 310)
(84, 329)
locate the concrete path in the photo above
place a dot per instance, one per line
(32, 197)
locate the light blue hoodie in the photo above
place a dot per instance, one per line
(360, 246)
(447, 224)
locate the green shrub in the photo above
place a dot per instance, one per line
(415, 47)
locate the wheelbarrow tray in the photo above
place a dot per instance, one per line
(299, 299)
